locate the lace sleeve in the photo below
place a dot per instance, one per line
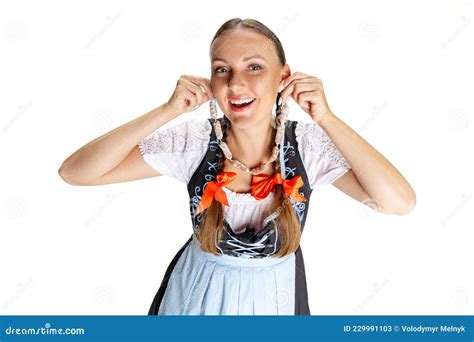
(176, 151)
(324, 163)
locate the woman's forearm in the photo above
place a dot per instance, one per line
(104, 153)
(379, 178)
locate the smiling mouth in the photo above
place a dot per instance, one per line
(242, 106)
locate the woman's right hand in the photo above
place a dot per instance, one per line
(188, 94)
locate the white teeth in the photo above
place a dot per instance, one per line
(241, 101)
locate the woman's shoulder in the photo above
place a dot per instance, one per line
(186, 136)
(317, 150)
(309, 135)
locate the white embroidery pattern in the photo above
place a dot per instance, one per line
(185, 137)
(311, 137)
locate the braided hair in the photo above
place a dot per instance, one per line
(285, 219)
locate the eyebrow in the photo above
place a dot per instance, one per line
(243, 60)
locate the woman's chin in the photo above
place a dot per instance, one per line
(241, 120)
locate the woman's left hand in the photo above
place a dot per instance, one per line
(308, 92)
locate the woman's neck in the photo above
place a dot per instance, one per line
(252, 146)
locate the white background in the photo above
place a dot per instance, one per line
(400, 74)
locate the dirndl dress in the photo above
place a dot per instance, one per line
(245, 279)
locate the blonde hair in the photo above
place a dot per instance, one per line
(287, 223)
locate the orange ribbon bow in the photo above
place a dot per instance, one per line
(263, 184)
(213, 191)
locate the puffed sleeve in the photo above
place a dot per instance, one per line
(323, 162)
(177, 151)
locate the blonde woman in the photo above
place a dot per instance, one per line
(249, 175)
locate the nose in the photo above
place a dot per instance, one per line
(236, 82)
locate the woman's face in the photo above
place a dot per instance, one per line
(236, 72)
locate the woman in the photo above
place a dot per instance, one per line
(249, 175)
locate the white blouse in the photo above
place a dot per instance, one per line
(178, 150)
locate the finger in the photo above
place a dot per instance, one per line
(190, 97)
(290, 86)
(196, 90)
(307, 97)
(207, 86)
(192, 83)
(302, 86)
(290, 89)
(294, 76)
